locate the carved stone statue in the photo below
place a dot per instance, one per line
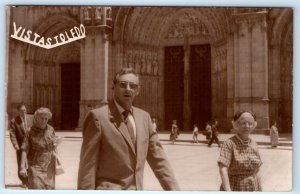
(86, 15)
(149, 66)
(98, 16)
(143, 65)
(130, 61)
(108, 13)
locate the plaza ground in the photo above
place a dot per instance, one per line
(194, 164)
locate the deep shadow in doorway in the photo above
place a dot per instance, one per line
(70, 95)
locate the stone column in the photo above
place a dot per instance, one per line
(187, 88)
(161, 94)
(94, 59)
(263, 28)
(16, 77)
(230, 78)
(251, 64)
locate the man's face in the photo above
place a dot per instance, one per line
(126, 89)
(22, 111)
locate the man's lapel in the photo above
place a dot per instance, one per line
(138, 119)
(20, 123)
(116, 118)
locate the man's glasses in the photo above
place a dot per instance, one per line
(124, 85)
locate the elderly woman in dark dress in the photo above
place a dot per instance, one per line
(39, 147)
(239, 160)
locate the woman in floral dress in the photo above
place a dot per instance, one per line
(239, 160)
(39, 147)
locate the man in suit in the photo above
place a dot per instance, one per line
(18, 129)
(118, 138)
(215, 134)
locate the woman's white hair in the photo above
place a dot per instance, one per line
(42, 110)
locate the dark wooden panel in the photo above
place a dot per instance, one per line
(173, 85)
(70, 95)
(201, 84)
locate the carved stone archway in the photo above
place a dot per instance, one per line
(142, 33)
(45, 78)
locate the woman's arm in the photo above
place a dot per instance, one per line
(224, 176)
(258, 175)
(23, 170)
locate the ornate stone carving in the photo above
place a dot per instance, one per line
(108, 13)
(142, 59)
(95, 16)
(187, 25)
(149, 65)
(250, 19)
(155, 65)
(87, 15)
(98, 16)
(143, 66)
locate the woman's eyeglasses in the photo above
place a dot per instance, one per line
(246, 123)
(124, 85)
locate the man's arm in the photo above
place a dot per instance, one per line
(13, 135)
(159, 164)
(89, 153)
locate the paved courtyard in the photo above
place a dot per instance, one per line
(194, 164)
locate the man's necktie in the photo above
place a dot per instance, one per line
(129, 125)
(24, 122)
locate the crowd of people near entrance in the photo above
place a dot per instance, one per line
(211, 133)
(118, 139)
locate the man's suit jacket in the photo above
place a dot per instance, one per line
(108, 158)
(17, 131)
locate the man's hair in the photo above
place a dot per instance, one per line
(20, 105)
(123, 71)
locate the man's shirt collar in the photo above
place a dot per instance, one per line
(121, 109)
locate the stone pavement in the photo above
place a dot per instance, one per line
(194, 164)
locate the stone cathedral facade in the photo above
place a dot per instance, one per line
(195, 64)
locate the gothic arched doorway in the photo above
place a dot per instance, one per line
(143, 38)
(49, 77)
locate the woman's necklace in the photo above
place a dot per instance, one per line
(244, 142)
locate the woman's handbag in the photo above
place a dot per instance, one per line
(58, 168)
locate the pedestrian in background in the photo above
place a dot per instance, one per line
(215, 134)
(239, 161)
(174, 131)
(274, 135)
(18, 129)
(195, 133)
(208, 132)
(154, 124)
